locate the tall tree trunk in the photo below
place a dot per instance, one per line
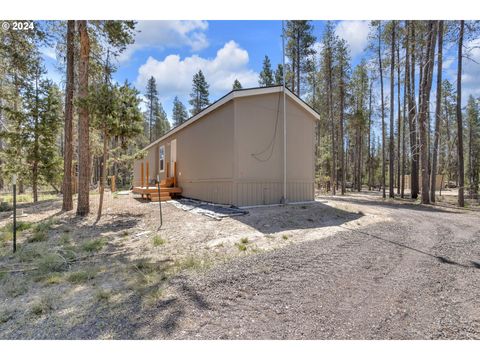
(67, 204)
(103, 173)
(404, 122)
(438, 107)
(461, 174)
(330, 109)
(369, 138)
(391, 146)
(399, 121)
(83, 206)
(412, 108)
(342, 103)
(36, 154)
(449, 140)
(298, 64)
(424, 104)
(383, 110)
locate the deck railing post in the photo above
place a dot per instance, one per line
(148, 174)
(175, 174)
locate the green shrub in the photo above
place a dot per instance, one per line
(6, 315)
(158, 240)
(285, 237)
(65, 239)
(38, 236)
(94, 245)
(80, 277)
(4, 206)
(52, 279)
(42, 306)
(5, 236)
(14, 287)
(28, 253)
(241, 247)
(52, 263)
(103, 295)
(244, 240)
(45, 225)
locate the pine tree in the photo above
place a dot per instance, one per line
(473, 123)
(18, 58)
(199, 95)
(391, 143)
(43, 156)
(425, 89)
(460, 170)
(152, 100)
(327, 69)
(161, 123)
(279, 75)
(115, 113)
(266, 75)
(179, 112)
(83, 204)
(299, 49)
(67, 187)
(359, 119)
(342, 69)
(42, 109)
(438, 112)
(237, 85)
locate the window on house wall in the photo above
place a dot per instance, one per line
(162, 158)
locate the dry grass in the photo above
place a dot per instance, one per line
(82, 264)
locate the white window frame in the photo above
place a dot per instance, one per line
(160, 163)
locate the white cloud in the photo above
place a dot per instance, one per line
(355, 33)
(174, 74)
(168, 34)
(49, 52)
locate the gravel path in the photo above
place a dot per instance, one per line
(409, 279)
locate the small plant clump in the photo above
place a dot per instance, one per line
(244, 240)
(53, 279)
(52, 263)
(241, 247)
(94, 245)
(158, 240)
(80, 277)
(285, 237)
(38, 236)
(42, 306)
(103, 295)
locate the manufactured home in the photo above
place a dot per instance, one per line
(236, 152)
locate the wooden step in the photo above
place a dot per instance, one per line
(162, 198)
(154, 190)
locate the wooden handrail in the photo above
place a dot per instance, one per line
(148, 174)
(175, 174)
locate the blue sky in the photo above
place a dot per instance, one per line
(172, 51)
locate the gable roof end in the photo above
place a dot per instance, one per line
(230, 96)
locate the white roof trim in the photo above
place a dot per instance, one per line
(227, 98)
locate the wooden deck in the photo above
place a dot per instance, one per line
(168, 186)
(151, 192)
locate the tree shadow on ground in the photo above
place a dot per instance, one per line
(406, 204)
(441, 258)
(310, 215)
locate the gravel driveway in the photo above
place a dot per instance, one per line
(415, 278)
(413, 274)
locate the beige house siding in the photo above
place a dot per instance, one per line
(204, 157)
(234, 154)
(259, 151)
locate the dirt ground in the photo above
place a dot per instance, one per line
(80, 264)
(352, 267)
